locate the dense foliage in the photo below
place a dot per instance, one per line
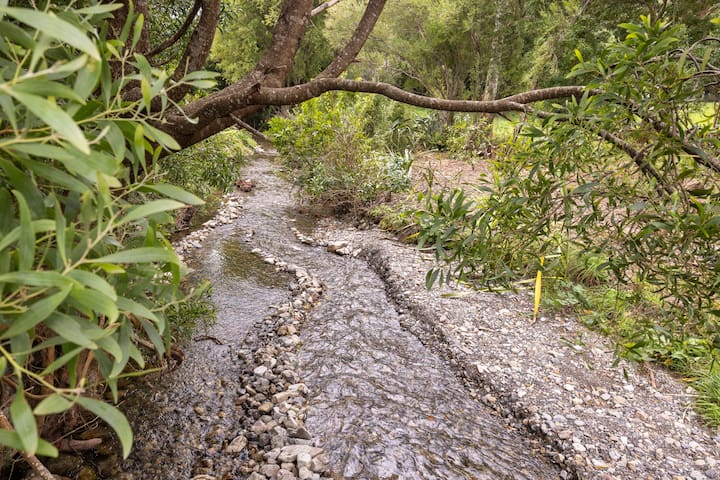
(348, 149)
(87, 280)
(620, 189)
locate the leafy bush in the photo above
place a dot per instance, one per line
(629, 176)
(211, 165)
(85, 275)
(338, 144)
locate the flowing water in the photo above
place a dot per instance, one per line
(381, 403)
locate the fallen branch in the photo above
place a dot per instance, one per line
(72, 445)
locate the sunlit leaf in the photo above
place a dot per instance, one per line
(51, 25)
(49, 112)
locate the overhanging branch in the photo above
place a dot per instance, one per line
(315, 88)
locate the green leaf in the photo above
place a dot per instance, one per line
(70, 329)
(54, 117)
(8, 108)
(51, 25)
(113, 417)
(46, 449)
(11, 439)
(137, 309)
(87, 79)
(98, 9)
(200, 75)
(36, 278)
(26, 241)
(95, 282)
(38, 312)
(174, 192)
(139, 255)
(161, 137)
(154, 336)
(148, 209)
(146, 94)
(56, 176)
(46, 88)
(109, 345)
(14, 235)
(62, 361)
(95, 302)
(24, 422)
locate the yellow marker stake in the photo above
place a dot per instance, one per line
(538, 289)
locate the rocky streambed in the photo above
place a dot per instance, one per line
(310, 371)
(331, 360)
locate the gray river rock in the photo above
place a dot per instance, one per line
(380, 403)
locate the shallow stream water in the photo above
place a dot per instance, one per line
(381, 403)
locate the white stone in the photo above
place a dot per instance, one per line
(237, 445)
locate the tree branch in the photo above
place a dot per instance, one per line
(314, 88)
(346, 56)
(179, 34)
(322, 7)
(198, 47)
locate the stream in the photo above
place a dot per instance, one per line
(381, 404)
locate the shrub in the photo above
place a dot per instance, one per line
(211, 166)
(628, 176)
(86, 277)
(338, 145)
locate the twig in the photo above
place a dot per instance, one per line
(256, 133)
(216, 340)
(31, 459)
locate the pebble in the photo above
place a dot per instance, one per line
(237, 445)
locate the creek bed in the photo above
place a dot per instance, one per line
(381, 404)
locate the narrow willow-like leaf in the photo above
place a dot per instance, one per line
(47, 88)
(154, 337)
(70, 329)
(139, 255)
(96, 302)
(26, 242)
(148, 209)
(38, 312)
(24, 422)
(52, 404)
(51, 25)
(176, 193)
(94, 282)
(62, 361)
(53, 116)
(36, 278)
(113, 417)
(38, 226)
(137, 309)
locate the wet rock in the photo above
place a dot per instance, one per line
(266, 407)
(237, 445)
(339, 248)
(300, 432)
